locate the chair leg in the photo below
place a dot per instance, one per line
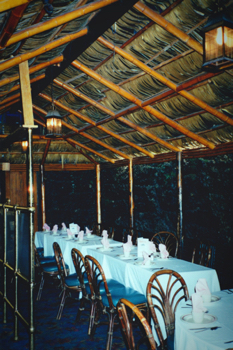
(62, 304)
(92, 317)
(80, 309)
(110, 331)
(41, 287)
(95, 319)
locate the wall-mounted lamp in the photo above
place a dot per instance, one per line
(24, 145)
(218, 42)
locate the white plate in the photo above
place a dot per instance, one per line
(207, 319)
(151, 265)
(55, 234)
(160, 259)
(126, 257)
(68, 239)
(213, 299)
(77, 241)
(102, 249)
(92, 237)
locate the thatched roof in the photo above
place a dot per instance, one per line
(127, 77)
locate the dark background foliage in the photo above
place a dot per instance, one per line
(207, 202)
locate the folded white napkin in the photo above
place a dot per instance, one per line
(105, 233)
(105, 241)
(63, 227)
(197, 303)
(129, 241)
(80, 236)
(88, 232)
(55, 228)
(151, 247)
(127, 248)
(202, 287)
(69, 234)
(163, 251)
(46, 227)
(146, 258)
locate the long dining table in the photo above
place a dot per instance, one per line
(129, 271)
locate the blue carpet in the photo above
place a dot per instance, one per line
(55, 334)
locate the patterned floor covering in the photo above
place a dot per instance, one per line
(53, 334)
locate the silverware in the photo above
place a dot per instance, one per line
(227, 342)
(205, 329)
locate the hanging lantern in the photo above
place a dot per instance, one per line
(218, 42)
(24, 145)
(53, 124)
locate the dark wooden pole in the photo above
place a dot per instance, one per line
(180, 203)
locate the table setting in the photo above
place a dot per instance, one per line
(205, 321)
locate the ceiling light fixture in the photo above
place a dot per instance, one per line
(53, 121)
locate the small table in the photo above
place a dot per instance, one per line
(220, 313)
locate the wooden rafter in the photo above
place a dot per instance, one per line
(58, 21)
(81, 152)
(6, 5)
(149, 109)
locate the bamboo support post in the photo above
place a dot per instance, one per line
(180, 203)
(131, 196)
(98, 194)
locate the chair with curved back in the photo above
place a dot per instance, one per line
(165, 289)
(127, 313)
(47, 266)
(167, 238)
(69, 283)
(79, 264)
(202, 254)
(106, 294)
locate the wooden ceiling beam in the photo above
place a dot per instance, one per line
(162, 22)
(17, 86)
(149, 109)
(6, 5)
(58, 21)
(33, 69)
(85, 155)
(26, 56)
(88, 120)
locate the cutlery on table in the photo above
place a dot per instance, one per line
(227, 342)
(204, 329)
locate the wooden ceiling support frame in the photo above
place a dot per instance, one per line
(149, 109)
(81, 152)
(17, 86)
(6, 5)
(162, 22)
(26, 56)
(58, 21)
(90, 121)
(33, 69)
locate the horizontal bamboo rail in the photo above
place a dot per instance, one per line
(26, 56)
(6, 5)
(58, 21)
(162, 22)
(90, 121)
(33, 69)
(17, 86)
(167, 82)
(149, 109)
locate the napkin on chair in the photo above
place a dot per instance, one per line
(105, 241)
(80, 236)
(46, 227)
(163, 251)
(197, 303)
(63, 227)
(202, 287)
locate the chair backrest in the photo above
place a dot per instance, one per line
(202, 254)
(97, 280)
(165, 289)
(37, 257)
(60, 262)
(167, 238)
(127, 312)
(79, 265)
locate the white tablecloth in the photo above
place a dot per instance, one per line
(187, 339)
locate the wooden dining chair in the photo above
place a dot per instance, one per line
(165, 290)
(106, 294)
(202, 254)
(69, 283)
(133, 321)
(167, 238)
(46, 267)
(79, 264)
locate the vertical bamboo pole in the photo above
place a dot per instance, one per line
(16, 321)
(180, 203)
(131, 199)
(42, 195)
(98, 196)
(4, 262)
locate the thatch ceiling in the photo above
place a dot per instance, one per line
(126, 77)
